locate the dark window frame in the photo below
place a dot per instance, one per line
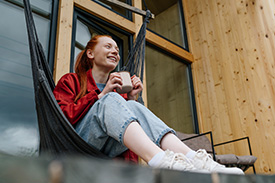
(53, 31)
(183, 26)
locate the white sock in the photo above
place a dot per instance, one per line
(156, 159)
(191, 154)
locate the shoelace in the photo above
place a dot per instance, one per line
(209, 163)
(179, 158)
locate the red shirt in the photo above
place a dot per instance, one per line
(65, 93)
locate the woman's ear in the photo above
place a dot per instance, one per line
(90, 54)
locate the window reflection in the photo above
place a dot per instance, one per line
(18, 129)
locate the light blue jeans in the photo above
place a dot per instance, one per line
(104, 125)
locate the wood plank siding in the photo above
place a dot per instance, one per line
(233, 44)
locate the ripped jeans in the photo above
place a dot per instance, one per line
(104, 125)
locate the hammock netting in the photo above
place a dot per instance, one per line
(57, 136)
(135, 59)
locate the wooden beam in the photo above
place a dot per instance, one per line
(106, 15)
(130, 8)
(64, 37)
(168, 46)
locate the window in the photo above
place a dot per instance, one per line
(168, 90)
(169, 79)
(169, 21)
(18, 129)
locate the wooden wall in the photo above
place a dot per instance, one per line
(233, 44)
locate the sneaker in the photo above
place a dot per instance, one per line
(178, 161)
(204, 161)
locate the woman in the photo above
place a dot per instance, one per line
(114, 123)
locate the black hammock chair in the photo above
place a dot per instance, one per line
(57, 136)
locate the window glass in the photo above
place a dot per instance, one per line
(18, 130)
(168, 90)
(168, 20)
(83, 34)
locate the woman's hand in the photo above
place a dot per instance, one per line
(137, 87)
(113, 82)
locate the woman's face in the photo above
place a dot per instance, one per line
(105, 55)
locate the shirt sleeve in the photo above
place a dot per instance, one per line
(65, 93)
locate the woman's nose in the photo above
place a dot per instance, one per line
(115, 51)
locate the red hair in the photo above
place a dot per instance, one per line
(83, 64)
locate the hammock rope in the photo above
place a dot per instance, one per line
(136, 57)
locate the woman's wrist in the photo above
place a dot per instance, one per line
(100, 95)
(131, 97)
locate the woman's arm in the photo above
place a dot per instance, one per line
(65, 93)
(113, 82)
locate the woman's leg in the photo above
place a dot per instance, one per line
(167, 140)
(152, 125)
(111, 125)
(145, 148)
(173, 143)
(137, 140)
(111, 118)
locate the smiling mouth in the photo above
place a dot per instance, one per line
(113, 59)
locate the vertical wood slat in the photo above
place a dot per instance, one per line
(63, 42)
(233, 70)
(195, 72)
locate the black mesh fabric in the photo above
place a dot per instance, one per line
(135, 59)
(57, 136)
